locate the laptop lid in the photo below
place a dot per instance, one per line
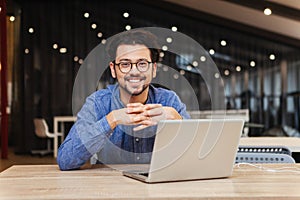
(193, 149)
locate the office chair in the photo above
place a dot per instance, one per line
(264, 154)
(42, 131)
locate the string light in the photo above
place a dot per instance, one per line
(86, 15)
(99, 35)
(267, 11)
(174, 28)
(26, 51)
(223, 43)
(238, 68)
(31, 30)
(169, 40)
(12, 18)
(252, 63)
(94, 26)
(127, 27)
(226, 72)
(272, 57)
(164, 48)
(195, 63)
(217, 75)
(211, 52)
(63, 50)
(75, 58)
(55, 46)
(126, 14)
(202, 58)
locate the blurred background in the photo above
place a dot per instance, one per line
(255, 45)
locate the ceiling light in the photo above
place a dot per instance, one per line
(211, 52)
(126, 14)
(26, 51)
(63, 50)
(203, 58)
(55, 46)
(164, 48)
(86, 15)
(80, 61)
(182, 72)
(174, 28)
(127, 27)
(94, 26)
(175, 76)
(189, 68)
(238, 68)
(31, 30)
(195, 63)
(161, 54)
(272, 57)
(267, 11)
(223, 43)
(226, 72)
(76, 58)
(217, 75)
(99, 35)
(103, 41)
(12, 18)
(169, 40)
(252, 63)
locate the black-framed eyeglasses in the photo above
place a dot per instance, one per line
(126, 66)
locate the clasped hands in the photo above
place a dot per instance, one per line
(142, 115)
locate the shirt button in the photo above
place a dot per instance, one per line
(137, 139)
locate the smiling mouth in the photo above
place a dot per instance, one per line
(135, 80)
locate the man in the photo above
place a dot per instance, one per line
(117, 124)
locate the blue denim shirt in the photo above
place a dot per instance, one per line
(91, 134)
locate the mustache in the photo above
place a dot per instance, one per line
(139, 77)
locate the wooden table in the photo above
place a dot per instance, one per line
(48, 182)
(60, 120)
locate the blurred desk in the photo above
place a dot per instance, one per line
(100, 182)
(61, 120)
(292, 143)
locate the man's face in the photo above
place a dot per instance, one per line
(134, 82)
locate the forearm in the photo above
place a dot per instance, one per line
(172, 114)
(83, 140)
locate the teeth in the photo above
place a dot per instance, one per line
(134, 81)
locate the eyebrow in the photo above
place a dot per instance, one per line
(141, 59)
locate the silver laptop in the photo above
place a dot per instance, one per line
(192, 149)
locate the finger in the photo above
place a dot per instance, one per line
(154, 112)
(140, 118)
(152, 106)
(138, 128)
(144, 125)
(135, 110)
(134, 105)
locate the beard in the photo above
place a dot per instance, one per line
(134, 91)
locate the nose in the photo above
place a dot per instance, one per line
(134, 68)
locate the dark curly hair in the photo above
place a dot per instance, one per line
(133, 37)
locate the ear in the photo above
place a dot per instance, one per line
(112, 70)
(154, 67)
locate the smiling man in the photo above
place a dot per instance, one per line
(117, 124)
